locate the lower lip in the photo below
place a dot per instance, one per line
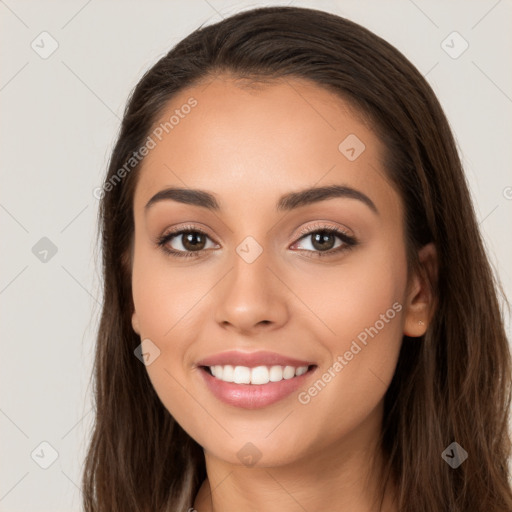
(253, 396)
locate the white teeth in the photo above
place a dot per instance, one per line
(276, 373)
(301, 370)
(257, 375)
(242, 375)
(228, 373)
(288, 372)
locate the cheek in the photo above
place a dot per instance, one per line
(164, 295)
(169, 309)
(363, 311)
(353, 295)
(164, 300)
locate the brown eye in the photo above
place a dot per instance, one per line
(323, 240)
(193, 240)
(185, 242)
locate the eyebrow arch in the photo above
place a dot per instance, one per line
(286, 202)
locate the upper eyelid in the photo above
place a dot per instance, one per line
(324, 225)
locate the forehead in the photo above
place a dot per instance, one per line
(248, 142)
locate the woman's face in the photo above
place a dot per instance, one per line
(255, 282)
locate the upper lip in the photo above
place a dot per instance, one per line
(252, 359)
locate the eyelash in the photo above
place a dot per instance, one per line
(348, 241)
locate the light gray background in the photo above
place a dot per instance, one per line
(59, 119)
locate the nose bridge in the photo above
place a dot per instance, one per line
(251, 294)
(250, 274)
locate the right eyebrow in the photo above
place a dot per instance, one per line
(187, 196)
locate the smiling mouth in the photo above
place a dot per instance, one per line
(258, 375)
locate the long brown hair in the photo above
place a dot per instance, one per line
(452, 384)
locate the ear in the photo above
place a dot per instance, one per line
(135, 323)
(420, 302)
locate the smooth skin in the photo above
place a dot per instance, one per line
(248, 146)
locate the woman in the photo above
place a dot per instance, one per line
(298, 310)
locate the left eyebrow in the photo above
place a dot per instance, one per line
(286, 202)
(314, 195)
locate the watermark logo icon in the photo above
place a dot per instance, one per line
(454, 455)
(44, 455)
(454, 45)
(44, 250)
(249, 250)
(351, 147)
(44, 45)
(147, 352)
(249, 454)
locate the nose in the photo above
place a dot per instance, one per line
(251, 298)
